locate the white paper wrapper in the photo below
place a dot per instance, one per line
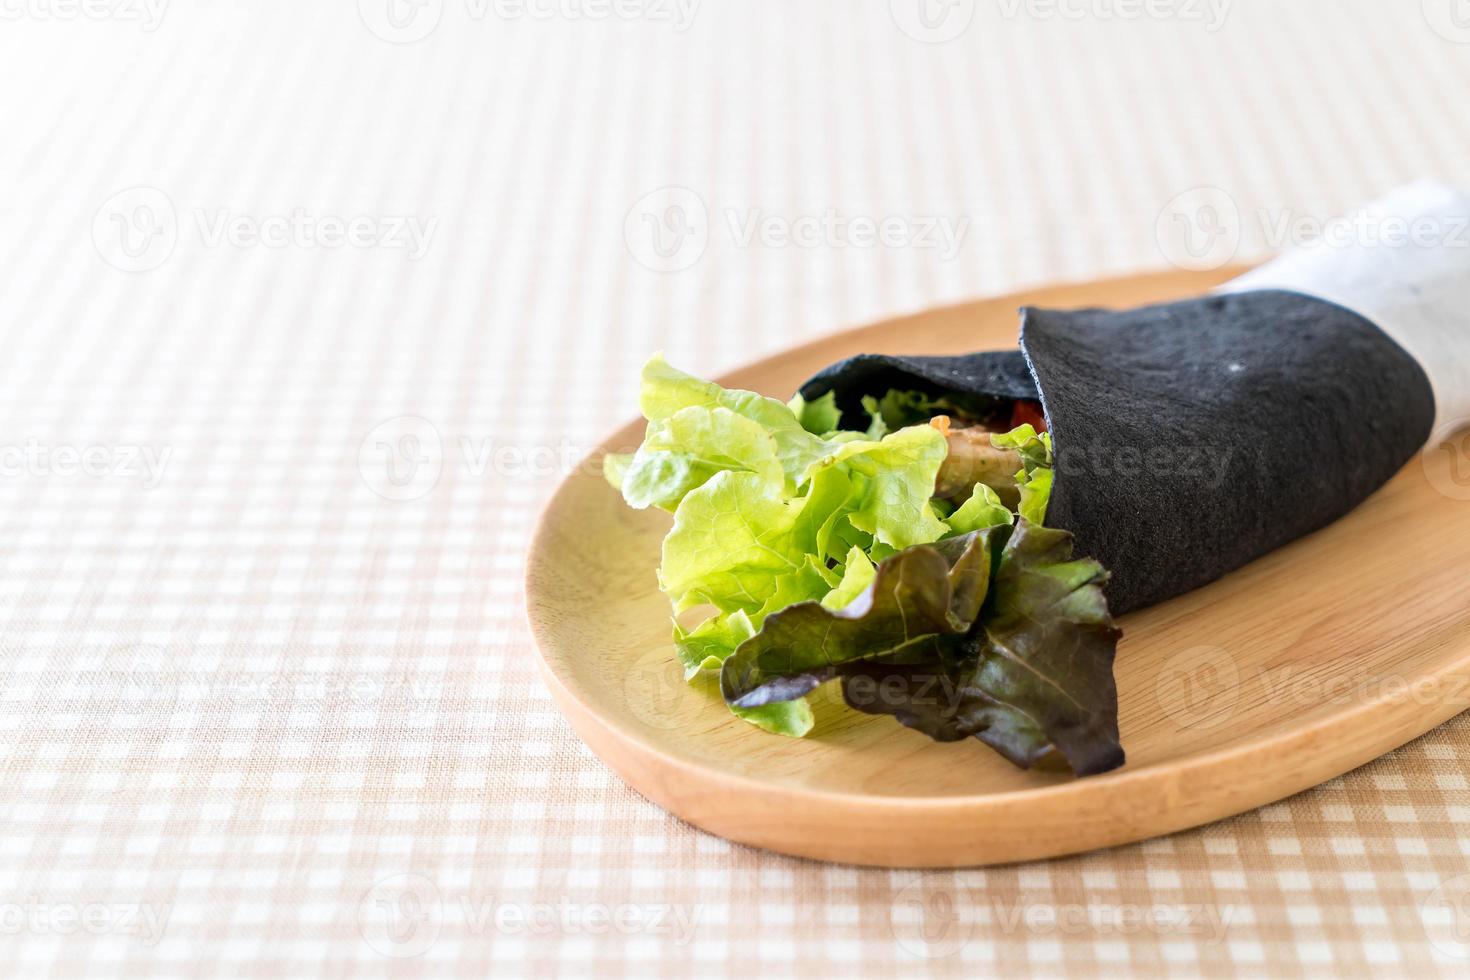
(1402, 262)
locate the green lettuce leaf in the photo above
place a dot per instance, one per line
(856, 578)
(820, 417)
(665, 391)
(686, 449)
(1034, 449)
(898, 476)
(982, 510)
(732, 538)
(898, 409)
(707, 645)
(1035, 477)
(811, 581)
(615, 467)
(1035, 495)
(791, 718)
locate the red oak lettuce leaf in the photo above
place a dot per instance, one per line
(1034, 680)
(919, 597)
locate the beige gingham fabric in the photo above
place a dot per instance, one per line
(305, 309)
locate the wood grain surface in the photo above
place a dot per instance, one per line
(1307, 663)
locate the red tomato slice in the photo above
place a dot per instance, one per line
(1025, 412)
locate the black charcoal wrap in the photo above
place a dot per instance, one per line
(1192, 437)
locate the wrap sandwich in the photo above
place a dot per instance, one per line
(949, 537)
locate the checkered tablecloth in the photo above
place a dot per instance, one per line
(306, 307)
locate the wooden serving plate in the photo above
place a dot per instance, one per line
(1305, 664)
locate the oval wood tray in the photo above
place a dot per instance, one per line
(1303, 665)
